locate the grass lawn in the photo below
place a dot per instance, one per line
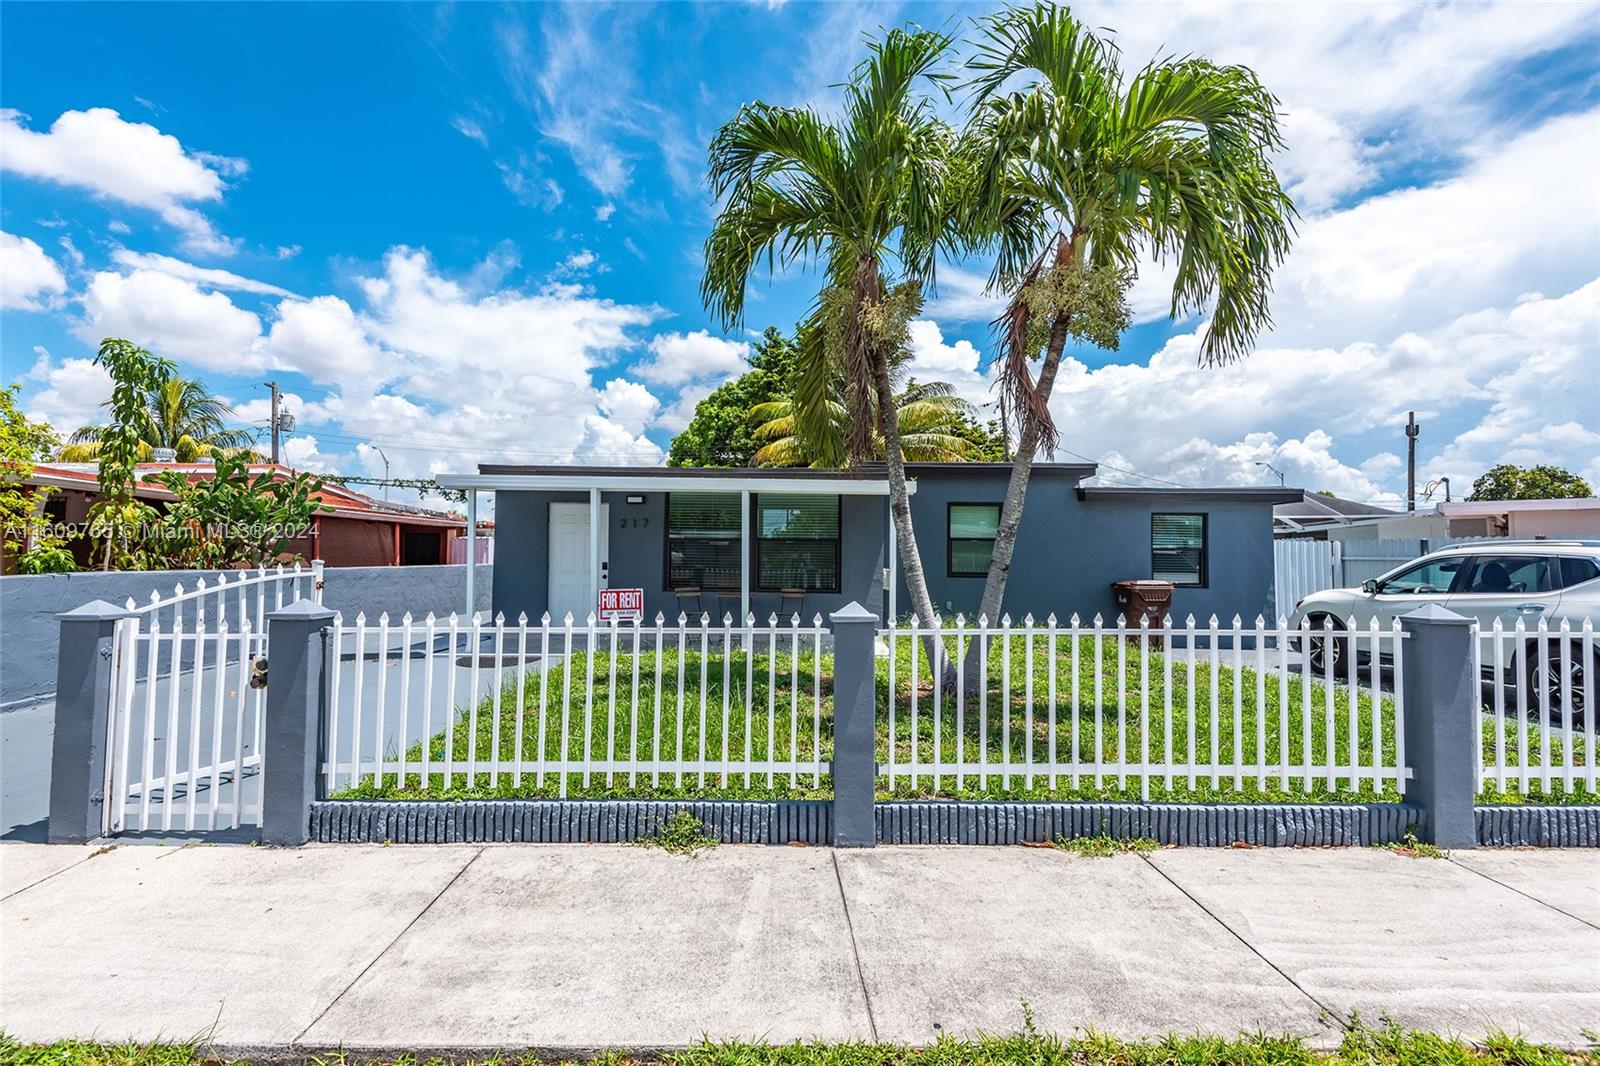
(1361, 1046)
(762, 706)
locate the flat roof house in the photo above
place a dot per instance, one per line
(766, 540)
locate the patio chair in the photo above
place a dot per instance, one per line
(689, 602)
(791, 602)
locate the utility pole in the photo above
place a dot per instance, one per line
(1412, 429)
(385, 459)
(273, 385)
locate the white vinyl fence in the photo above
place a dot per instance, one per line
(575, 708)
(1539, 728)
(183, 751)
(1186, 711)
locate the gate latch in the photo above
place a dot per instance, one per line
(258, 673)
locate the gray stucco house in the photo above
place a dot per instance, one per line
(764, 540)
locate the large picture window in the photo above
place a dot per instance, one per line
(703, 540)
(797, 542)
(1178, 548)
(971, 536)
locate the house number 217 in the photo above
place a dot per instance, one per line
(636, 523)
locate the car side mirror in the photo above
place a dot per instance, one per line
(1370, 585)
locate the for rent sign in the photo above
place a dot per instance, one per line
(625, 605)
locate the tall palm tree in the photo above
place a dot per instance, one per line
(1084, 172)
(870, 198)
(928, 413)
(179, 414)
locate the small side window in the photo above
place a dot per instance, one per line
(1575, 570)
(1514, 575)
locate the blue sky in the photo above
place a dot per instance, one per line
(473, 232)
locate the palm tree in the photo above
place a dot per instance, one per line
(180, 414)
(870, 198)
(1082, 172)
(929, 415)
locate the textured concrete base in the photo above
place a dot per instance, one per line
(1423, 941)
(23, 867)
(1212, 825)
(1568, 881)
(564, 821)
(1540, 827)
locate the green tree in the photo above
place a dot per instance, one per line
(986, 440)
(1083, 172)
(870, 199)
(719, 434)
(136, 374)
(1509, 482)
(26, 531)
(177, 413)
(931, 416)
(230, 518)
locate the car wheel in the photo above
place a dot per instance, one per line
(1322, 645)
(1565, 687)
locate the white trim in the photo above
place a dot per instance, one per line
(659, 483)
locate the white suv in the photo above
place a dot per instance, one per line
(1553, 580)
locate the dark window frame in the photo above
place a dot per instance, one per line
(950, 542)
(757, 540)
(666, 550)
(1205, 547)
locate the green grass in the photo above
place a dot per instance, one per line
(1413, 848)
(1387, 1045)
(684, 834)
(757, 702)
(1102, 847)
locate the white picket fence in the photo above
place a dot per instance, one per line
(455, 703)
(1220, 707)
(1539, 726)
(184, 732)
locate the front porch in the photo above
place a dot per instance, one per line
(720, 543)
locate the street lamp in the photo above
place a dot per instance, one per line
(1275, 470)
(385, 459)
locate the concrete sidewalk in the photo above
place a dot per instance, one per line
(570, 947)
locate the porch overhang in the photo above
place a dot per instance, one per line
(648, 482)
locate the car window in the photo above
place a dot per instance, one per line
(1433, 576)
(1509, 574)
(1575, 570)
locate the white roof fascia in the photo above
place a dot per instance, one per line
(656, 483)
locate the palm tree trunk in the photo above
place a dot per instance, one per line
(1005, 538)
(900, 507)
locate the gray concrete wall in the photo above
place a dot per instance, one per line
(1070, 550)
(638, 553)
(29, 605)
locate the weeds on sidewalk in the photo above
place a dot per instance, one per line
(1412, 848)
(1103, 846)
(1386, 1045)
(684, 834)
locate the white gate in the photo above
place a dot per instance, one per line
(183, 750)
(1302, 566)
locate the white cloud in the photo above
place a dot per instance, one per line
(628, 404)
(675, 418)
(67, 394)
(172, 317)
(679, 358)
(119, 227)
(321, 339)
(470, 129)
(128, 162)
(604, 212)
(29, 279)
(961, 364)
(206, 277)
(960, 297)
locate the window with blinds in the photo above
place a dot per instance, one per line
(1178, 548)
(797, 542)
(971, 537)
(703, 540)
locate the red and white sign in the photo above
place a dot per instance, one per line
(625, 605)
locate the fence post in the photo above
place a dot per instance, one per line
(855, 698)
(1441, 722)
(85, 674)
(296, 694)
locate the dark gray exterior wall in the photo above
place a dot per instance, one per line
(638, 553)
(1069, 550)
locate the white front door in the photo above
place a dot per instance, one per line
(570, 588)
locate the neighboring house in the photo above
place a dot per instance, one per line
(1315, 512)
(358, 531)
(1447, 521)
(786, 540)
